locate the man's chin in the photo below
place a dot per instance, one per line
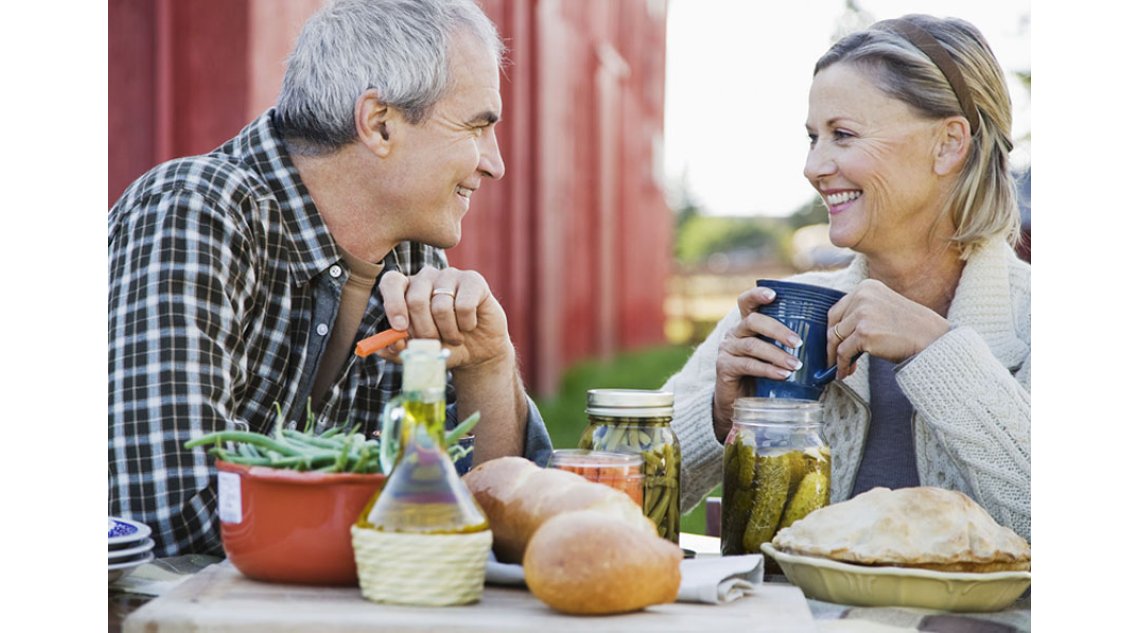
(443, 241)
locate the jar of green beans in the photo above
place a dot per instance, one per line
(777, 469)
(638, 421)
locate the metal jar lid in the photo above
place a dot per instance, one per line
(632, 403)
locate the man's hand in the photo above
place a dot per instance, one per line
(452, 305)
(456, 307)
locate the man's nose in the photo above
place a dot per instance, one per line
(490, 160)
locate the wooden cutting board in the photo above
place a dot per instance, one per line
(220, 600)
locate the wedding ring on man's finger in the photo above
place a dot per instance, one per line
(443, 291)
(835, 331)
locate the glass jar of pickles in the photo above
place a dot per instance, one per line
(777, 469)
(638, 421)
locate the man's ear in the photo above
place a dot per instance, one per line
(374, 120)
(953, 146)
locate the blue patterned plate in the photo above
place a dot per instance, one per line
(116, 571)
(122, 532)
(123, 554)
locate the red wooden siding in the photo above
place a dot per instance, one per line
(574, 241)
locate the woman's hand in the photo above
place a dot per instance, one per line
(452, 305)
(881, 322)
(744, 355)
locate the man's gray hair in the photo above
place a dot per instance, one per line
(398, 47)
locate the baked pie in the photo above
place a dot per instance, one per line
(925, 527)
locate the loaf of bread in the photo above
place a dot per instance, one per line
(585, 547)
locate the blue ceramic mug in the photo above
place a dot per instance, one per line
(803, 309)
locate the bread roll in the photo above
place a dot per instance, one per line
(585, 547)
(589, 563)
(518, 497)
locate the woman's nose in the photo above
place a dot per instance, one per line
(819, 163)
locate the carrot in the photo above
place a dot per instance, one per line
(377, 342)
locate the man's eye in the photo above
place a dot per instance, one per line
(812, 138)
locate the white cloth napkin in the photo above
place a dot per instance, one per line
(718, 580)
(713, 580)
(502, 573)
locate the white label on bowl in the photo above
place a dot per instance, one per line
(229, 497)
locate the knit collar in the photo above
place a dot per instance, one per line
(983, 302)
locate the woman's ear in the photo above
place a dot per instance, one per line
(953, 146)
(374, 119)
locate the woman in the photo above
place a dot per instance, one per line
(909, 123)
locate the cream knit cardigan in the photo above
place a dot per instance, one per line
(970, 391)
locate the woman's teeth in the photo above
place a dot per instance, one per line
(834, 199)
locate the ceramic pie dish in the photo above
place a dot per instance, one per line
(872, 586)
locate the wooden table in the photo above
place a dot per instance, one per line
(220, 600)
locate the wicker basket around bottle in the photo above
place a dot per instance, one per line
(421, 569)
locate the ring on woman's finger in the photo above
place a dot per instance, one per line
(443, 291)
(835, 331)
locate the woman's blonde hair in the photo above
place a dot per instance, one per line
(983, 203)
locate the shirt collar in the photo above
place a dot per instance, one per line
(262, 147)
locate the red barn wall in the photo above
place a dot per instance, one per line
(575, 241)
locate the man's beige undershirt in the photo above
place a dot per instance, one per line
(362, 277)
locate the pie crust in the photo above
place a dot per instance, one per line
(924, 527)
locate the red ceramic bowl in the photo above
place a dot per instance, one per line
(287, 526)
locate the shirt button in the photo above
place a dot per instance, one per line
(322, 329)
(335, 271)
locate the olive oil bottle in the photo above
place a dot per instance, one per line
(423, 539)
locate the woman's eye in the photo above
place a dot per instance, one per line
(840, 135)
(812, 138)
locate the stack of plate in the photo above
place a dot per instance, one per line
(128, 546)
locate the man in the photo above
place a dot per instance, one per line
(240, 280)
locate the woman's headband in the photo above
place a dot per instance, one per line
(926, 43)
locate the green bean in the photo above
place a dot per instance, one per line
(645, 440)
(367, 462)
(248, 450)
(301, 440)
(652, 463)
(341, 459)
(338, 448)
(657, 513)
(296, 460)
(615, 439)
(232, 458)
(257, 439)
(461, 429)
(650, 500)
(673, 518)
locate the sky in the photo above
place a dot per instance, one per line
(737, 80)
